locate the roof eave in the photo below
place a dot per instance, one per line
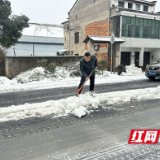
(72, 7)
(65, 22)
(98, 41)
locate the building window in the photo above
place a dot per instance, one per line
(130, 5)
(67, 28)
(137, 7)
(76, 16)
(76, 36)
(145, 32)
(149, 22)
(137, 31)
(121, 4)
(130, 31)
(153, 23)
(157, 33)
(94, 1)
(140, 27)
(133, 20)
(145, 8)
(137, 21)
(157, 24)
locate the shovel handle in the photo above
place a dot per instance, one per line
(84, 82)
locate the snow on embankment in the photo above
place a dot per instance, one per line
(4, 81)
(62, 77)
(38, 74)
(79, 106)
(35, 74)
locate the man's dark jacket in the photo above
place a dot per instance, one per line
(87, 67)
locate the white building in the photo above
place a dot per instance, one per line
(139, 26)
(36, 46)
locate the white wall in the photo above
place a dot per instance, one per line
(141, 42)
(155, 55)
(39, 50)
(150, 8)
(142, 45)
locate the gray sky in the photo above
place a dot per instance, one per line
(46, 11)
(43, 11)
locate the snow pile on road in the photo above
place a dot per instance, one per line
(132, 71)
(79, 106)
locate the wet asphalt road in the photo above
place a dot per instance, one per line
(103, 134)
(17, 98)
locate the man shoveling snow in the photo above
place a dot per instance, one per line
(88, 64)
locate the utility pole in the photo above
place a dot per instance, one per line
(14, 51)
(112, 40)
(33, 49)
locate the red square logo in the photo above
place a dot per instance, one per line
(146, 136)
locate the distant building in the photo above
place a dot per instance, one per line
(36, 46)
(135, 22)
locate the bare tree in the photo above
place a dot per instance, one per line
(50, 28)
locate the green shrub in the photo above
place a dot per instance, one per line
(51, 67)
(43, 63)
(102, 64)
(47, 66)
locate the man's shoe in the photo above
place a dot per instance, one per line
(91, 93)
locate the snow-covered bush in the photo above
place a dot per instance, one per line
(51, 67)
(47, 66)
(35, 74)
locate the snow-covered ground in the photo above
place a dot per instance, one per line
(37, 79)
(79, 106)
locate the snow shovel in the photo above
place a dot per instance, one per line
(84, 83)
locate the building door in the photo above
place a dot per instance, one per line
(125, 58)
(136, 59)
(146, 59)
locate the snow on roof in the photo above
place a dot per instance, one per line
(102, 39)
(40, 39)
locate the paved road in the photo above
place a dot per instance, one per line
(16, 98)
(101, 135)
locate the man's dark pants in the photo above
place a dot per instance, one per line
(92, 79)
